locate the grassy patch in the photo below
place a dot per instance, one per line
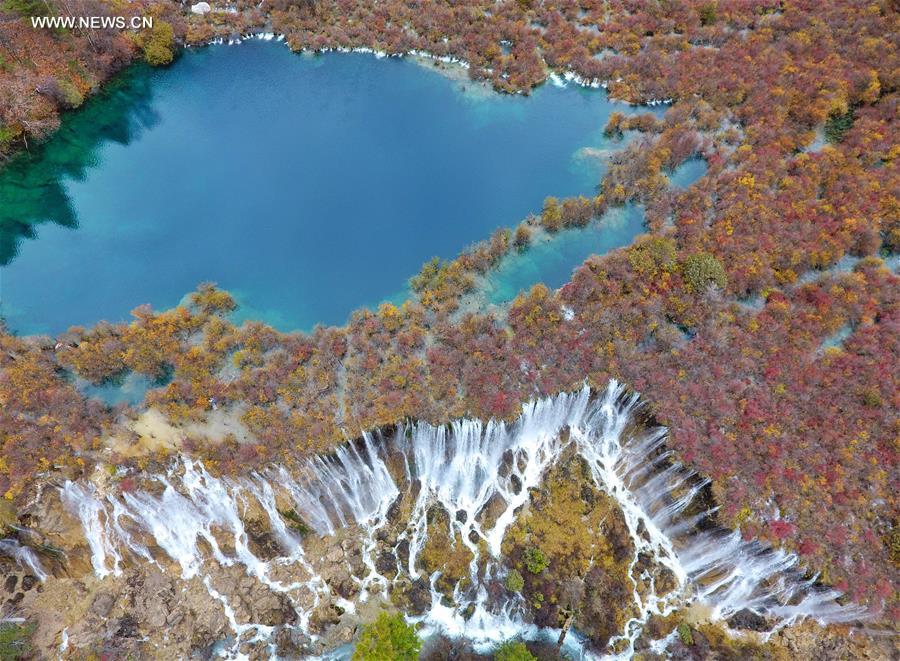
(15, 640)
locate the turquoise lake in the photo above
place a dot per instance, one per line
(307, 186)
(552, 261)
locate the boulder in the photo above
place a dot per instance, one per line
(747, 619)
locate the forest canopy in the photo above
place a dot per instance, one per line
(759, 314)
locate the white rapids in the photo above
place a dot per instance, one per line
(195, 519)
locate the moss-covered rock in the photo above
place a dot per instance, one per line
(7, 514)
(15, 640)
(514, 581)
(446, 554)
(575, 535)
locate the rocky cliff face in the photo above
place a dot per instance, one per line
(572, 528)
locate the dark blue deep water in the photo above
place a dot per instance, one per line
(307, 186)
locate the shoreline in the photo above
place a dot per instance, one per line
(559, 78)
(448, 67)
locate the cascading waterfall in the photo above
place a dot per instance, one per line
(24, 557)
(181, 522)
(461, 467)
(724, 571)
(196, 519)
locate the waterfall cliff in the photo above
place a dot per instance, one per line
(375, 504)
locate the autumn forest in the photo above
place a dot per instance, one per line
(758, 315)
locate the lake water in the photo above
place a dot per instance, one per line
(307, 186)
(688, 172)
(552, 261)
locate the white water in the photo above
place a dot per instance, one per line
(460, 467)
(23, 556)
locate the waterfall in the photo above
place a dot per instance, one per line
(24, 557)
(348, 486)
(197, 520)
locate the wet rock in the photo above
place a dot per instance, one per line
(436, 515)
(28, 582)
(489, 514)
(207, 653)
(516, 484)
(31, 537)
(588, 495)
(324, 617)
(291, 643)
(403, 552)
(665, 581)
(747, 619)
(263, 543)
(642, 531)
(505, 464)
(272, 609)
(103, 604)
(347, 588)
(10, 584)
(248, 651)
(521, 463)
(419, 597)
(335, 554)
(644, 563)
(357, 566)
(386, 563)
(128, 628)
